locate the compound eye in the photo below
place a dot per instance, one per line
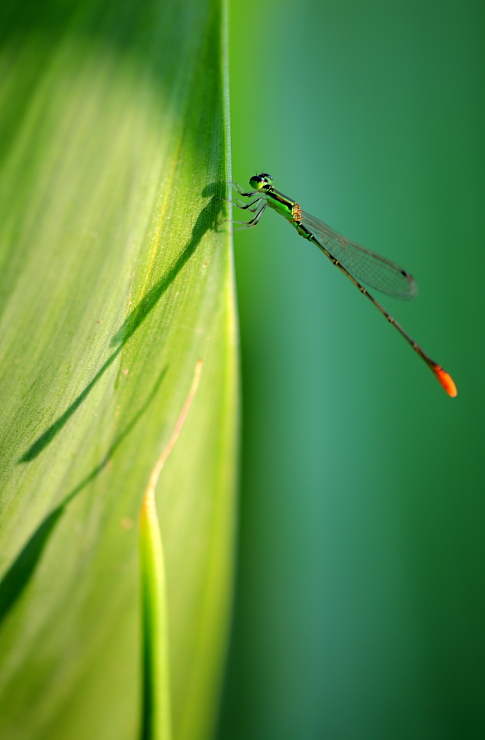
(267, 177)
(256, 182)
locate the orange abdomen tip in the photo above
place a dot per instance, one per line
(445, 380)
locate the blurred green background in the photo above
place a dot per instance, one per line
(360, 601)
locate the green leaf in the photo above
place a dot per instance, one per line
(116, 278)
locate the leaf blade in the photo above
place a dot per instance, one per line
(110, 192)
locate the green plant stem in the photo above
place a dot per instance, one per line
(156, 710)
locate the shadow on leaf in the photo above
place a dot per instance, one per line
(20, 572)
(207, 219)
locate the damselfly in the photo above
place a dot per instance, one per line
(359, 264)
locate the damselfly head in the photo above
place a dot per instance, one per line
(259, 181)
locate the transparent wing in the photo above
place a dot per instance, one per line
(361, 263)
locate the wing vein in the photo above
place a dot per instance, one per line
(364, 265)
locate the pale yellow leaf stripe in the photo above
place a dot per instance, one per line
(156, 703)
